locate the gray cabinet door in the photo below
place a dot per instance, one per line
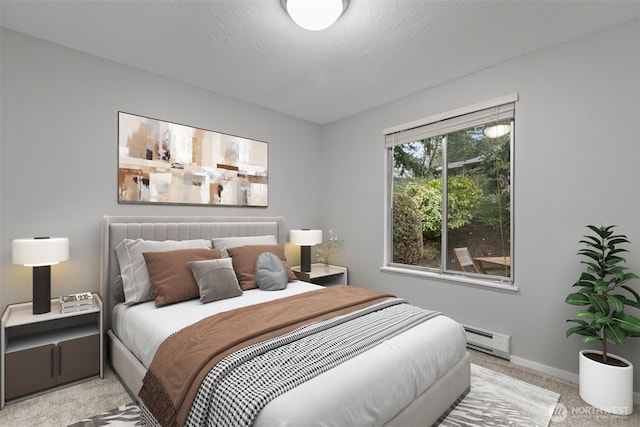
(78, 358)
(29, 370)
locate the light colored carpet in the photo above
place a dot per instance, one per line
(494, 400)
(571, 411)
(68, 405)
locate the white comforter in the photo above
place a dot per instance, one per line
(405, 365)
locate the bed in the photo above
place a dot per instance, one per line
(372, 387)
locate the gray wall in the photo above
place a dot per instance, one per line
(59, 153)
(576, 163)
(577, 156)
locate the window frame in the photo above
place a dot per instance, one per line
(443, 273)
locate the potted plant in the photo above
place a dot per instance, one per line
(326, 249)
(606, 380)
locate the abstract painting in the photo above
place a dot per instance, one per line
(164, 162)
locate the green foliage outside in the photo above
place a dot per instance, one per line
(407, 233)
(494, 208)
(463, 198)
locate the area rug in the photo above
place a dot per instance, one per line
(125, 416)
(499, 400)
(494, 400)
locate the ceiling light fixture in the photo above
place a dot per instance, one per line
(497, 131)
(315, 15)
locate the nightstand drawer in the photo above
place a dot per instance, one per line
(38, 368)
(78, 358)
(29, 370)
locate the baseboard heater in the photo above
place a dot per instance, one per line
(488, 341)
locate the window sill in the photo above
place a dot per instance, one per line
(458, 280)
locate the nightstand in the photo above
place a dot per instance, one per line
(41, 352)
(335, 276)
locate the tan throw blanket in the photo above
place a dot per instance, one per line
(186, 357)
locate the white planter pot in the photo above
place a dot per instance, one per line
(608, 388)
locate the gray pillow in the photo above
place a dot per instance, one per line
(216, 279)
(270, 273)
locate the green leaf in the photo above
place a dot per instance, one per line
(633, 292)
(616, 251)
(618, 272)
(615, 333)
(599, 303)
(587, 277)
(601, 319)
(617, 240)
(613, 261)
(615, 302)
(600, 231)
(601, 286)
(592, 267)
(627, 301)
(628, 322)
(588, 286)
(593, 240)
(580, 330)
(585, 314)
(591, 254)
(590, 338)
(577, 299)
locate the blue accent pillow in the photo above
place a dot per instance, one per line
(270, 272)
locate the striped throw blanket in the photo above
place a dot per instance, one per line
(235, 391)
(278, 344)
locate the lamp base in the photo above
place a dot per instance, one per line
(305, 259)
(42, 289)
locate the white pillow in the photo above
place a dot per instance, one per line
(223, 243)
(133, 268)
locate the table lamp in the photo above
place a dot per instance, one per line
(40, 253)
(305, 238)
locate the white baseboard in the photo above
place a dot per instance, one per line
(565, 375)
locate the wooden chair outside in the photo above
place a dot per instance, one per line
(463, 258)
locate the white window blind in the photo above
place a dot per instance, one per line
(441, 124)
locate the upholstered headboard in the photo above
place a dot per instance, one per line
(117, 228)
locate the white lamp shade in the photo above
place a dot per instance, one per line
(305, 237)
(40, 251)
(314, 15)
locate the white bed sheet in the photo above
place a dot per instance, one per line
(349, 394)
(143, 327)
(371, 388)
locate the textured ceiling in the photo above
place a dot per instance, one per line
(378, 51)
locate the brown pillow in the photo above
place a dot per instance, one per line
(171, 277)
(244, 263)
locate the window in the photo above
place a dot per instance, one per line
(450, 193)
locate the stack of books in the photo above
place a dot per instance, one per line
(76, 302)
